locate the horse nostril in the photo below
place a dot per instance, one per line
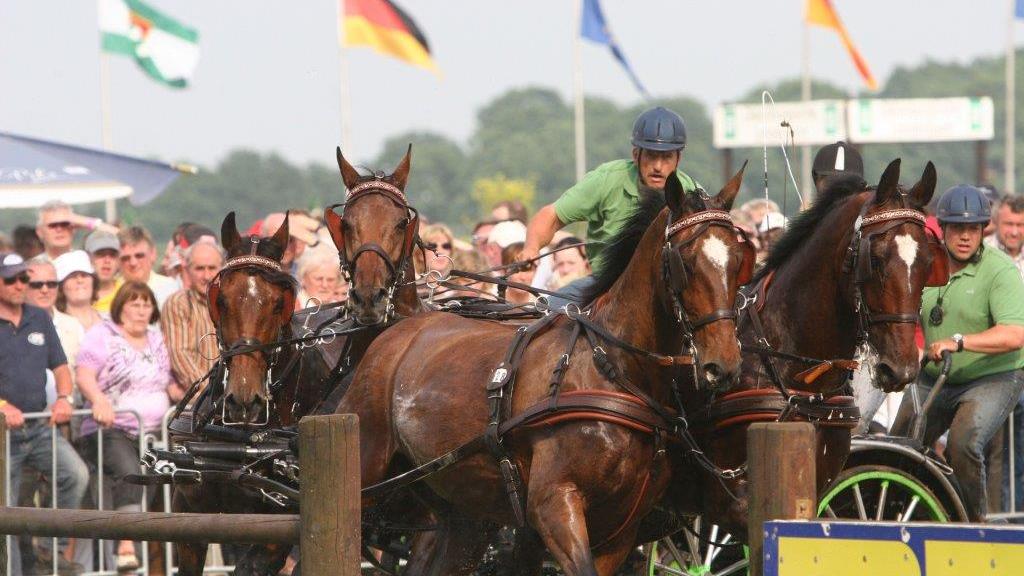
(712, 373)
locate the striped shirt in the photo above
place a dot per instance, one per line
(185, 320)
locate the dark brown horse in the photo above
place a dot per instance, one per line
(845, 280)
(262, 385)
(590, 474)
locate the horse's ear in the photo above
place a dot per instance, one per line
(675, 195)
(281, 236)
(922, 192)
(349, 175)
(229, 237)
(889, 183)
(728, 193)
(401, 174)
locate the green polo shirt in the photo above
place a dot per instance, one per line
(605, 199)
(977, 298)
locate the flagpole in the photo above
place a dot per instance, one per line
(110, 205)
(1009, 160)
(805, 95)
(577, 87)
(345, 95)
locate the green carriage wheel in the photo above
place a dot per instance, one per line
(881, 493)
(685, 555)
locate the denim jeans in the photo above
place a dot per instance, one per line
(32, 444)
(973, 413)
(573, 292)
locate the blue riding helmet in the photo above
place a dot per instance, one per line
(659, 129)
(964, 204)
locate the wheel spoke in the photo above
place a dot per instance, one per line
(734, 568)
(910, 508)
(691, 542)
(711, 552)
(830, 512)
(881, 501)
(726, 540)
(861, 512)
(675, 552)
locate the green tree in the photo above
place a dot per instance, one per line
(489, 191)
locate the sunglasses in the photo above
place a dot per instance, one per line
(56, 225)
(23, 278)
(136, 256)
(40, 284)
(435, 246)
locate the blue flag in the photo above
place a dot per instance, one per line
(595, 28)
(1019, 9)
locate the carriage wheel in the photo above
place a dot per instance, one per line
(876, 493)
(683, 554)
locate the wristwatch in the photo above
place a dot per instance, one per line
(959, 339)
(70, 399)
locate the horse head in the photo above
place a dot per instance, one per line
(375, 237)
(891, 258)
(251, 303)
(705, 261)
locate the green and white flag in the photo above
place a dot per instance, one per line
(166, 49)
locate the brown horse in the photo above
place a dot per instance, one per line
(845, 279)
(262, 385)
(588, 474)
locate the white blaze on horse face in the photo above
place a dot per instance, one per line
(906, 247)
(718, 253)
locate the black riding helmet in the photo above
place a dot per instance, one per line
(659, 129)
(964, 204)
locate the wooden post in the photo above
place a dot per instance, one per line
(981, 164)
(781, 473)
(329, 502)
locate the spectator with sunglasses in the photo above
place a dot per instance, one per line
(979, 317)
(43, 287)
(138, 255)
(56, 228)
(29, 346)
(440, 243)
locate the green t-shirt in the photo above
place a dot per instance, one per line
(605, 199)
(977, 298)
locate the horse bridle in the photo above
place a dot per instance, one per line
(248, 345)
(858, 261)
(396, 272)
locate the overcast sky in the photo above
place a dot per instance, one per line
(268, 76)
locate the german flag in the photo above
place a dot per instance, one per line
(386, 28)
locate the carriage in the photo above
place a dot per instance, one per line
(637, 389)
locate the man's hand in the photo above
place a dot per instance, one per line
(60, 412)
(936, 348)
(528, 253)
(15, 419)
(103, 412)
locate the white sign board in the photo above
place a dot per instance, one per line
(920, 120)
(814, 122)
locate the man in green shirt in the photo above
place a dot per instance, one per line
(608, 195)
(979, 316)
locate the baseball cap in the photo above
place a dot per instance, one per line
(100, 240)
(11, 265)
(772, 221)
(838, 158)
(507, 232)
(71, 262)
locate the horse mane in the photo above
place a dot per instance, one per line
(622, 246)
(837, 190)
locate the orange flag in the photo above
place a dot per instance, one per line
(821, 13)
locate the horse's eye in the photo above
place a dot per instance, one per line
(402, 224)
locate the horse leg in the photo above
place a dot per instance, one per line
(458, 548)
(612, 554)
(527, 557)
(557, 512)
(263, 560)
(191, 556)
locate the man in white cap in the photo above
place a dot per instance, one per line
(31, 346)
(499, 238)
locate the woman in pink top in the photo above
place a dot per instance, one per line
(123, 365)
